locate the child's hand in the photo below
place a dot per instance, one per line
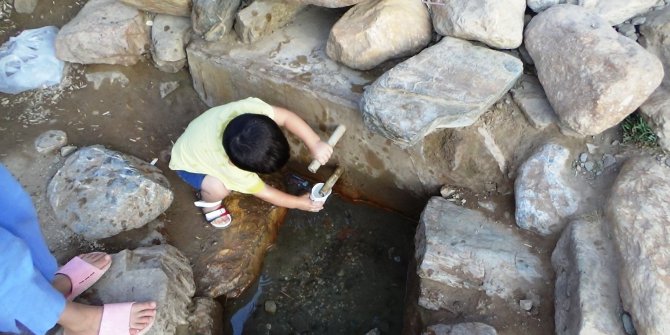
(306, 204)
(321, 151)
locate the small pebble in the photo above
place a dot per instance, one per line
(628, 324)
(667, 161)
(615, 143)
(583, 157)
(589, 166)
(526, 305)
(608, 160)
(639, 20)
(271, 307)
(66, 150)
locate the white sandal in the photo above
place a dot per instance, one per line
(214, 216)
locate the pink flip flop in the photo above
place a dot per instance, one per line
(116, 320)
(82, 275)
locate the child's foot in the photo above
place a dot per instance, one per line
(79, 319)
(63, 284)
(219, 218)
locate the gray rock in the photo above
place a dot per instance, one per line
(544, 196)
(614, 11)
(375, 331)
(68, 149)
(213, 19)
(589, 166)
(569, 44)
(25, 6)
(540, 5)
(657, 108)
(206, 317)
(168, 7)
(526, 304)
(262, 17)
(159, 273)
(638, 20)
(51, 140)
(639, 211)
(169, 35)
(470, 328)
(460, 249)
(608, 160)
(583, 157)
(375, 31)
(628, 324)
(628, 30)
(412, 99)
(498, 24)
(104, 32)
(99, 193)
(330, 3)
(586, 292)
(532, 100)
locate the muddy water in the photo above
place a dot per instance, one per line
(341, 271)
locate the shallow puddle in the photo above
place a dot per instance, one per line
(340, 271)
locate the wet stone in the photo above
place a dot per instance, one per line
(526, 305)
(608, 160)
(271, 306)
(471, 328)
(583, 157)
(50, 141)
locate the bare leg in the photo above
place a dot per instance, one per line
(80, 319)
(212, 190)
(98, 259)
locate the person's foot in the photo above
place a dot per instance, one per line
(80, 319)
(63, 284)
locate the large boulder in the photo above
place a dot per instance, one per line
(459, 252)
(569, 46)
(375, 31)
(262, 17)
(544, 194)
(498, 24)
(104, 32)
(169, 7)
(447, 85)
(161, 274)
(170, 34)
(586, 292)
(655, 32)
(639, 210)
(330, 3)
(530, 96)
(213, 19)
(230, 260)
(99, 193)
(205, 319)
(613, 11)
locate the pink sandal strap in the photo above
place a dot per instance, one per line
(82, 275)
(116, 319)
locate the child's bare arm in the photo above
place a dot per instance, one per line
(319, 149)
(282, 199)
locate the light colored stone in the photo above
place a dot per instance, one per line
(544, 195)
(526, 304)
(459, 248)
(161, 274)
(613, 11)
(170, 34)
(498, 24)
(330, 3)
(168, 87)
(569, 46)
(639, 210)
(104, 32)
(213, 19)
(167, 7)
(99, 193)
(375, 31)
(470, 328)
(586, 290)
(530, 96)
(413, 99)
(205, 319)
(656, 109)
(68, 149)
(50, 140)
(262, 17)
(25, 6)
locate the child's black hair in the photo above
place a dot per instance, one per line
(255, 143)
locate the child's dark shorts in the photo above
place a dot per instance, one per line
(193, 179)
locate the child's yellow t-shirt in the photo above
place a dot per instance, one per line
(200, 149)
